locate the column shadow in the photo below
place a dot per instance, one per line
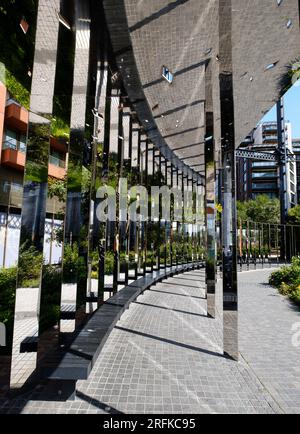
(170, 341)
(173, 310)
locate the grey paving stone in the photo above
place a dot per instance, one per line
(152, 362)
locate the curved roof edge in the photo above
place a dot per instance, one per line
(117, 24)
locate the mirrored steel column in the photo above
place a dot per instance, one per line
(210, 225)
(125, 174)
(163, 247)
(200, 220)
(97, 160)
(133, 240)
(97, 241)
(74, 263)
(176, 250)
(230, 299)
(171, 222)
(155, 216)
(30, 262)
(146, 222)
(141, 224)
(181, 223)
(185, 220)
(50, 314)
(210, 205)
(194, 222)
(150, 225)
(121, 263)
(112, 242)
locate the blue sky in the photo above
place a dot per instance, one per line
(292, 109)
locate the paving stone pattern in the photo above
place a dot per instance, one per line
(165, 356)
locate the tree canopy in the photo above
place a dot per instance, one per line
(262, 209)
(294, 215)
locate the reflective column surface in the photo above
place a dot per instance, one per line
(30, 262)
(230, 296)
(74, 260)
(82, 122)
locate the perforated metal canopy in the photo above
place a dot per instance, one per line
(183, 35)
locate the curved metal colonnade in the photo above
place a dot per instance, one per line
(98, 65)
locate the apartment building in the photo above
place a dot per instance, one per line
(13, 130)
(296, 151)
(256, 177)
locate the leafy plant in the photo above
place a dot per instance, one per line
(60, 128)
(262, 209)
(7, 300)
(287, 280)
(57, 188)
(29, 267)
(109, 262)
(294, 215)
(16, 89)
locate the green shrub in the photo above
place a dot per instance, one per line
(109, 262)
(295, 295)
(50, 301)
(8, 277)
(287, 280)
(287, 274)
(30, 263)
(59, 128)
(16, 89)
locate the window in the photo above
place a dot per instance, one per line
(22, 144)
(10, 140)
(264, 164)
(8, 186)
(14, 140)
(271, 174)
(264, 186)
(57, 159)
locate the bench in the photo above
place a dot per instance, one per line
(75, 361)
(67, 311)
(29, 344)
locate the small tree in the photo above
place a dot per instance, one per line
(294, 215)
(262, 209)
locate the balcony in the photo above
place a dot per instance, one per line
(270, 138)
(11, 194)
(270, 126)
(16, 117)
(264, 164)
(57, 167)
(263, 175)
(13, 155)
(264, 186)
(58, 145)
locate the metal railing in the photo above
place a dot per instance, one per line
(11, 194)
(266, 244)
(15, 145)
(57, 161)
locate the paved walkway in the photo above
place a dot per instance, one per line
(165, 356)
